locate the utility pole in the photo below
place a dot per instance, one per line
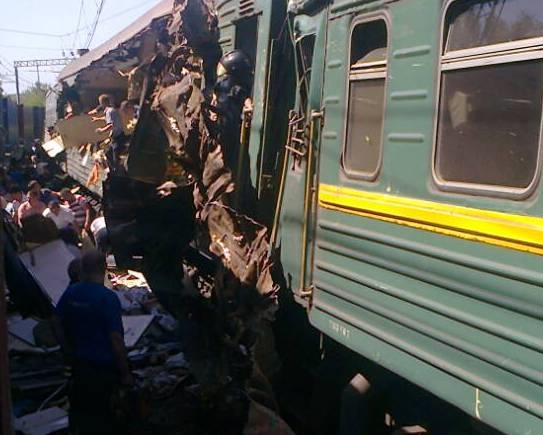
(17, 85)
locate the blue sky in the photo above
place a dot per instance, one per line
(56, 22)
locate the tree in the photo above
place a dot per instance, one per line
(35, 95)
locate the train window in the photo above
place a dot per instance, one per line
(482, 23)
(491, 98)
(366, 104)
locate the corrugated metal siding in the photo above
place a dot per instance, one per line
(467, 312)
(80, 172)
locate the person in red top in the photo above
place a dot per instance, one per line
(30, 207)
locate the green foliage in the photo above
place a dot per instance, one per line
(35, 95)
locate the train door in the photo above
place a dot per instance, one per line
(256, 28)
(298, 184)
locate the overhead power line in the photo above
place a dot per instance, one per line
(110, 17)
(94, 24)
(81, 7)
(28, 32)
(31, 47)
(78, 29)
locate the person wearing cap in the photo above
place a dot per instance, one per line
(60, 215)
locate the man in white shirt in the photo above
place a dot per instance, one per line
(61, 216)
(64, 219)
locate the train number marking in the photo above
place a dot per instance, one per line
(340, 329)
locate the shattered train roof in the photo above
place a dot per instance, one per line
(160, 10)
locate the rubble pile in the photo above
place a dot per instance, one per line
(166, 395)
(39, 376)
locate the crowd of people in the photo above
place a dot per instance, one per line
(29, 199)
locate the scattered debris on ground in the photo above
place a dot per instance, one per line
(39, 377)
(51, 420)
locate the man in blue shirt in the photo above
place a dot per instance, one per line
(90, 316)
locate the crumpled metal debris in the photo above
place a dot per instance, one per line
(177, 97)
(240, 242)
(178, 140)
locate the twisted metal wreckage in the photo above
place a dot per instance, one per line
(182, 139)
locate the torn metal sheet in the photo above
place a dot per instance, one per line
(53, 147)
(180, 102)
(80, 130)
(42, 422)
(177, 140)
(135, 327)
(48, 264)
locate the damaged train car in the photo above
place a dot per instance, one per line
(290, 158)
(180, 198)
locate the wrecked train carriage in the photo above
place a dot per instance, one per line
(103, 70)
(256, 27)
(120, 67)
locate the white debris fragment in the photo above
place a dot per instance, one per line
(42, 422)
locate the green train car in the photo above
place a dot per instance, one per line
(412, 223)
(409, 216)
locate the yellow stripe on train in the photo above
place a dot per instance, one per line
(523, 233)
